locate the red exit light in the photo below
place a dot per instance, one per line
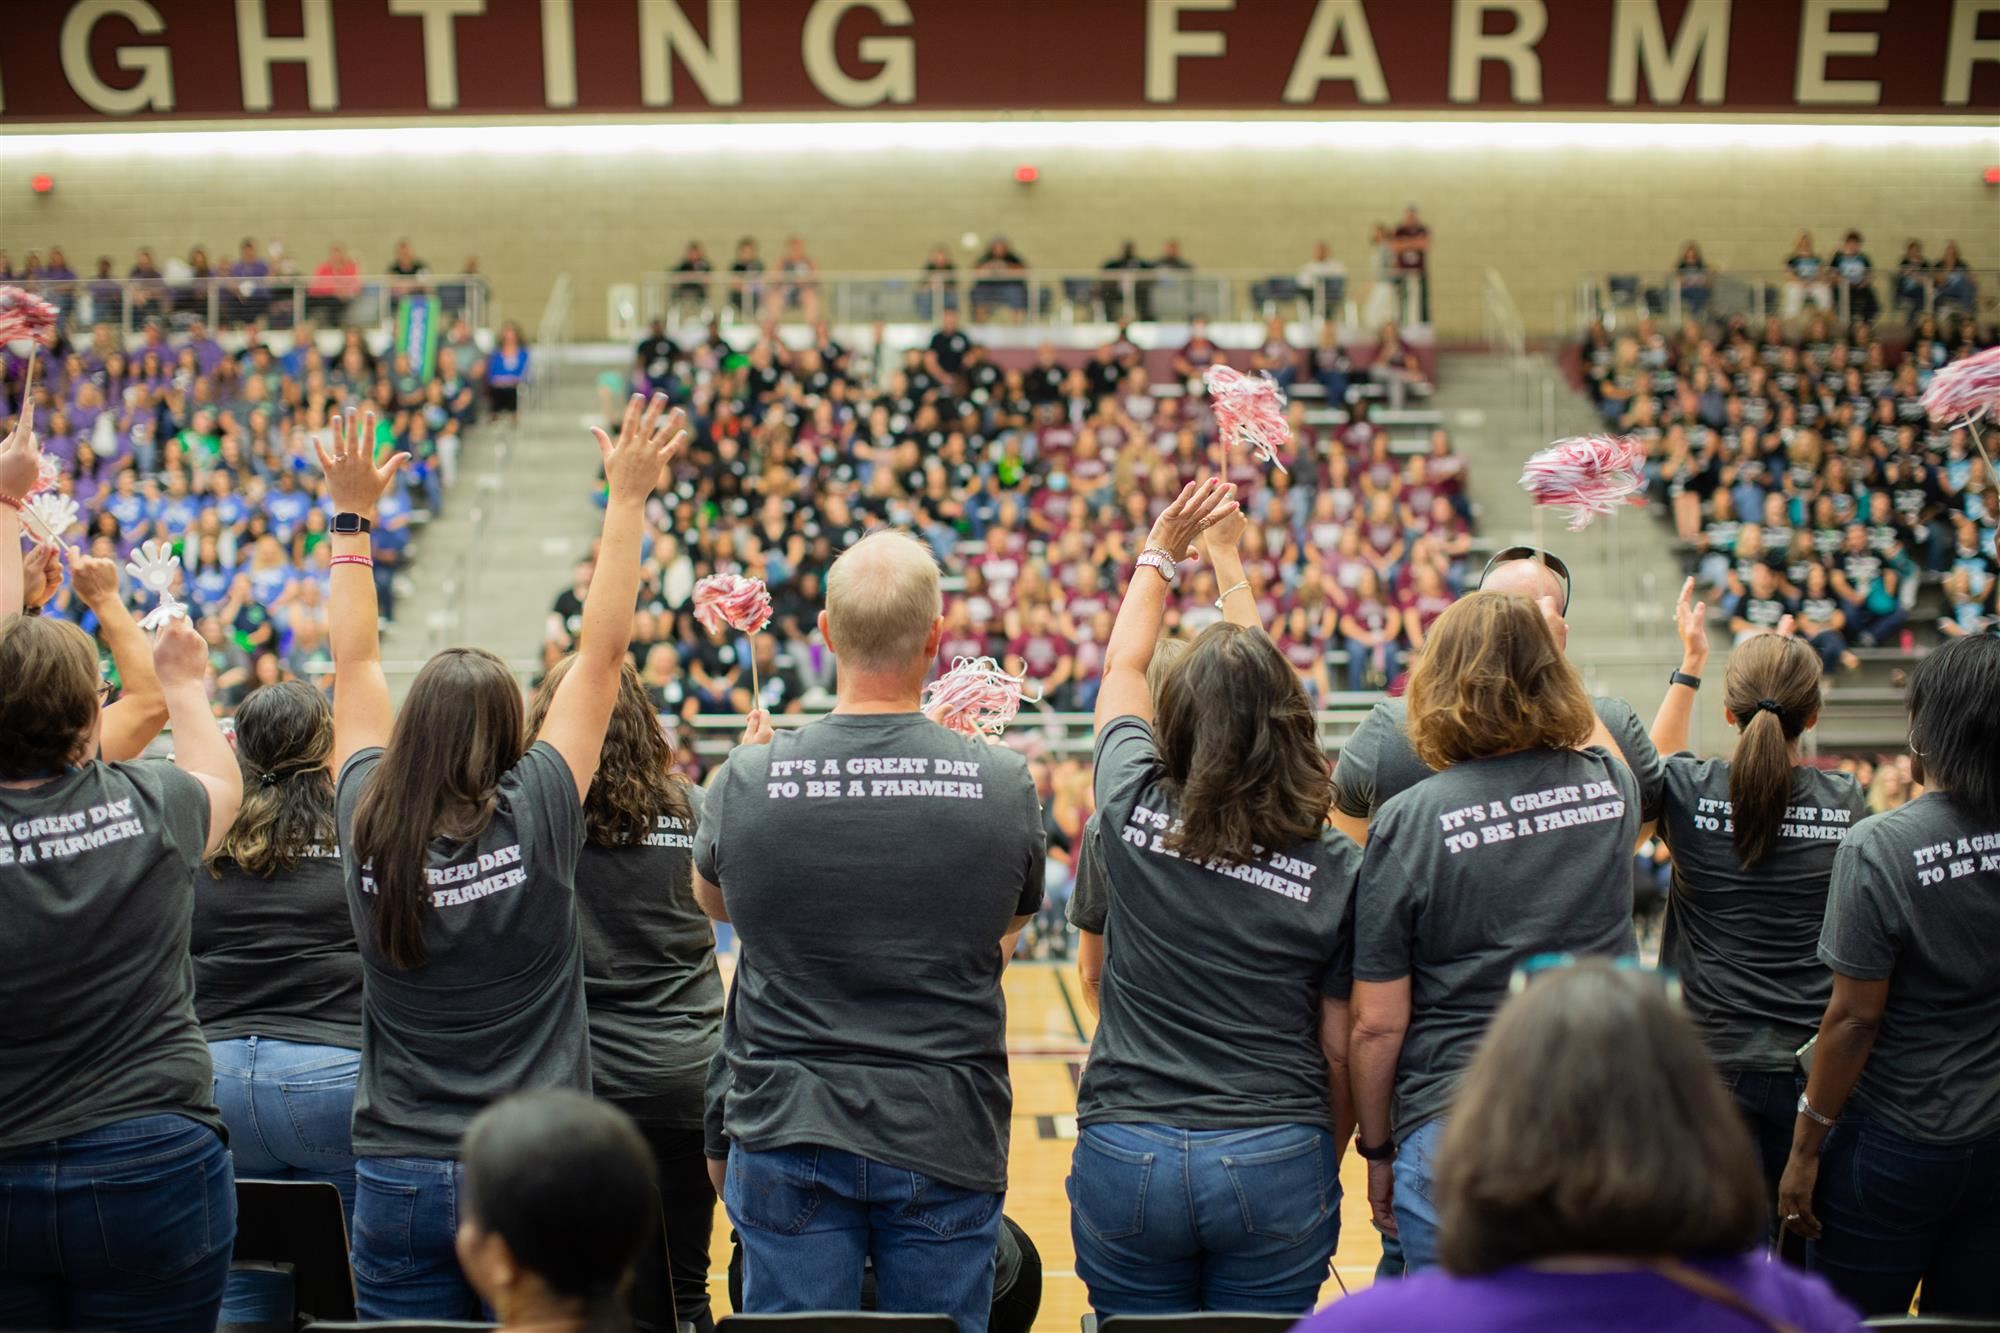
(1993, 175)
(43, 183)
(1027, 174)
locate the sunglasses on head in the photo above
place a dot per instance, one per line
(1513, 553)
(1543, 963)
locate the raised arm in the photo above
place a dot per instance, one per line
(1670, 724)
(20, 469)
(633, 465)
(180, 657)
(130, 724)
(362, 714)
(1219, 544)
(1123, 692)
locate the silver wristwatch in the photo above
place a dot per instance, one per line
(1160, 559)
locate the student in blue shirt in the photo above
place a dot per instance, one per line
(505, 370)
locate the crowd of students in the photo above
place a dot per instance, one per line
(206, 449)
(1034, 488)
(1799, 467)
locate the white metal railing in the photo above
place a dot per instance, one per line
(553, 330)
(286, 302)
(899, 296)
(1759, 293)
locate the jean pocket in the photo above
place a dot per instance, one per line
(775, 1191)
(946, 1210)
(1107, 1187)
(1900, 1181)
(321, 1112)
(384, 1223)
(1282, 1192)
(158, 1225)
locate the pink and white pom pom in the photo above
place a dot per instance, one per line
(1965, 391)
(24, 315)
(1251, 410)
(47, 474)
(1587, 475)
(733, 601)
(976, 698)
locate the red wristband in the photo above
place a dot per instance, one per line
(353, 560)
(11, 503)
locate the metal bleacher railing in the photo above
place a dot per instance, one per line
(1760, 293)
(1057, 296)
(279, 302)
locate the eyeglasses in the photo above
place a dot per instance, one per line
(105, 689)
(1543, 963)
(1553, 562)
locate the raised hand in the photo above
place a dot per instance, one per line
(95, 579)
(1691, 623)
(180, 654)
(41, 575)
(352, 478)
(1224, 534)
(1200, 505)
(20, 460)
(757, 728)
(645, 445)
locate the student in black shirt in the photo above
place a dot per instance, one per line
(649, 980)
(459, 846)
(1905, 1188)
(1213, 1110)
(946, 357)
(1753, 840)
(693, 290)
(109, 1136)
(277, 977)
(657, 356)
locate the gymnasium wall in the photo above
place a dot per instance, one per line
(1542, 216)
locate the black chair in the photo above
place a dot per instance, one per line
(1209, 1321)
(298, 1223)
(1920, 1323)
(836, 1321)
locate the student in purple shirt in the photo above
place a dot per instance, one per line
(1595, 1175)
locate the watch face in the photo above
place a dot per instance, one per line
(347, 524)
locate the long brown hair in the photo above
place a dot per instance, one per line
(1491, 680)
(1241, 749)
(48, 696)
(284, 735)
(458, 733)
(635, 784)
(1783, 673)
(1591, 1122)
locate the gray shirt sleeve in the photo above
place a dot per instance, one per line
(1354, 774)
(1385, 910)
(1090, 898)
(1863, 931)
(1640, 754)
(708, 828)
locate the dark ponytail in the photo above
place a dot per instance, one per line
(1772, 690)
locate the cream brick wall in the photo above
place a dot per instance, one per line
(1541, 218)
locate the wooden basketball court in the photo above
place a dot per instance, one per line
(1048, 1035)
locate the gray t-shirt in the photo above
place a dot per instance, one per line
(1090, 893)
(649, 974)
(871, 864)
(1916, 901)
(1474, 871)
(97, 869)
(275, 957)
(1377, 761)
(1213, 974)
(1744, 941)
(498, 1004)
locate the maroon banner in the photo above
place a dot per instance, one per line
(106, 61)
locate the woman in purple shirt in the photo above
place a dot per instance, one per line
(1594, 1175)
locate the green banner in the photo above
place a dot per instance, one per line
(417, 334)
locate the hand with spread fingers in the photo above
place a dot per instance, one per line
(649, 438)
(1200, 505)
(352, 478)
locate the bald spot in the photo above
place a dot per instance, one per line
(881, 600)
(1525, 578)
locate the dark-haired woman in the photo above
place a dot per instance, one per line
(1906, 1070)
(1593, 1178)
(120, 1207)
(555, 1211)
(1520, 844)
(459, 848)
(277, 979)
(649, 978)
(1753, 839)
(1213, 1109)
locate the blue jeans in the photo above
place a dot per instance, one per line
(1897, 1212)
(806, 1217)
(405, 1232)
(1170, 1221)
(1416, 1210)
(1768, 1100)
(290, 1112)
(127, 1226)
